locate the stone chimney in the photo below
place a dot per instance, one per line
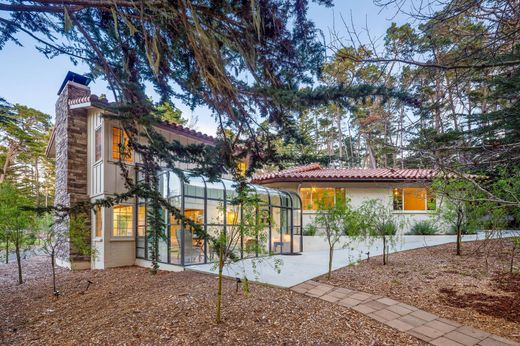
(71, 143)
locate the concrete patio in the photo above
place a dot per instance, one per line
(288, 271)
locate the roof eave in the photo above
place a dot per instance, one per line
(340, 180)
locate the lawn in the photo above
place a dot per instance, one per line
(474, 289)
(130, 306)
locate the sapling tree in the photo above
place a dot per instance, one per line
(378, 221)
(16, 221)
(53, 244)
(336, 220)
(457, 208)
(244, 231)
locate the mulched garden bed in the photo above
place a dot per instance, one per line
(130, 306)
(474, 289)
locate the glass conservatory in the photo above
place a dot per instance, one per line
(209, 204)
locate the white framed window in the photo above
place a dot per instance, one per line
(413, 199)
(123, 216)
(98, 144)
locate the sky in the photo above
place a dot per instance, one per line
(29, 78)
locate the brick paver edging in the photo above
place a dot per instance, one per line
(403, 317)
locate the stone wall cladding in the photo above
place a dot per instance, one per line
(71, 143)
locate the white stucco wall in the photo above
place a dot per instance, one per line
(361, 192)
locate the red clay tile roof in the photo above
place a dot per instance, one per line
(171, 127)
(84, 99)
(186, 131)
(314, 172)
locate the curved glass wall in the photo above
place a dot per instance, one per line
(209, 204)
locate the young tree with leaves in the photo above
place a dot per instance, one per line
(245, 227)
(16, 221)
(53, 244)
(337, 220)
(379, 222)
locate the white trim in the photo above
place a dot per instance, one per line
(81, 105)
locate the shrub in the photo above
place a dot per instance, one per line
(423, 228)
(310, 230)
(465, 230)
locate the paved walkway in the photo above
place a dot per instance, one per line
(310, 264)
(406, 318)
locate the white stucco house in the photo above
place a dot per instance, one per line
(86, 147)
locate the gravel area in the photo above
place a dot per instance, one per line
(130, 306)
(475, 289)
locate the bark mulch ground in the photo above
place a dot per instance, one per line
(130, 306)
(475, 289)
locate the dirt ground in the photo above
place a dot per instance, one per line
(474, 289)
(130, 306)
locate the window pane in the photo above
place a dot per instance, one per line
(122, 220)
(306, 195)
(120, 143)
(193, 245)
(397, 195)
(141, 221)
(414, 198)
(340, 195)
(215, 210)
(232, 214)
(215, 190)
(174, 185)
(98, 141)
(432, 200)
(99, 222)
(195, 187)
(322, 197)
(231, 191)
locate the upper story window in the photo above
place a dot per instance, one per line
(242, 168)
(120, 145)
(314, 197)
(413, 198)
(98, 144)
(123, 218)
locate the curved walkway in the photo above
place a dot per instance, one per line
(403, 317)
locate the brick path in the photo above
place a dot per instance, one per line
(406, 318)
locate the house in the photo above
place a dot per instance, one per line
(87, 150)
(405, 191)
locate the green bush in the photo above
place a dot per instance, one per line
(465, 230)
(310, 230)
(423, 228)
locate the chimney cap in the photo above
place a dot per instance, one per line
(77, 78)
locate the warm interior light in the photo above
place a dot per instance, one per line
(232, 217)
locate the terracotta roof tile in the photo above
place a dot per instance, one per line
(172, 127)
(314, 172)
(84, 99)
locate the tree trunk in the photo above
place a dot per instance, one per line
(6, 250)
(459, 239)
(331, 254)
(384, 250)
(53, 264)
(511, 264)
(220, 270)
(18, 261)
(8, 157)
